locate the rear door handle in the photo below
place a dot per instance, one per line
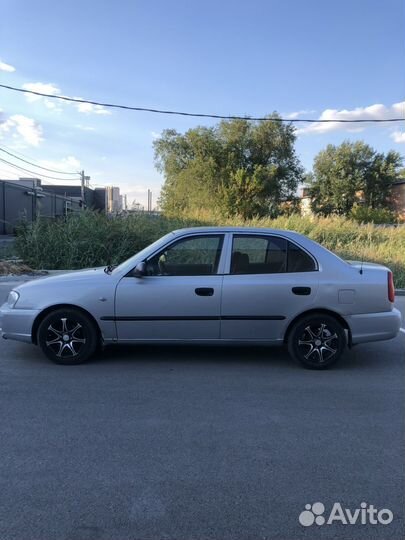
(204, 291)
(303, 291)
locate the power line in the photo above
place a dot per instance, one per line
(35, 165)
(202, 115)
(35, 174)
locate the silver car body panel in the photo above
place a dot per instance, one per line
(244, 307)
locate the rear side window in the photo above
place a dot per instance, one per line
(299, 260)
(268, 255)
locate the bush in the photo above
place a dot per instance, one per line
(93, 239)
(364, 214)
(89, 239)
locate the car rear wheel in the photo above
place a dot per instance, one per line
(317, 341)
(67, 336)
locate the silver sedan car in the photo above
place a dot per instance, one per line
(211, 285)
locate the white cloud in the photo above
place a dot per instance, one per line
(89, 108)
(85, 128)
(296, 114)
(398, 136)
(155, 135)
(68, 164)
(372, 112)
(44, 88)
(52, 89)
(22, 127)
(6, 67)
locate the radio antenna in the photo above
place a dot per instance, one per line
(362, 262)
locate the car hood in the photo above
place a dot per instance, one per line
(69, 277)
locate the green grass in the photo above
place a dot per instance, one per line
(7, 251)
(93, 239)
(89, 239)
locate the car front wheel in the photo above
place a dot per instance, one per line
(67, 336)
(317, 341)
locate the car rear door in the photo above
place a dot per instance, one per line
(269, 280)
(179, 298)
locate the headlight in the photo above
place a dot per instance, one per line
(12, 298)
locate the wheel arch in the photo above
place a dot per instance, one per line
(40, 317)
(324, 311)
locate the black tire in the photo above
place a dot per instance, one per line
(317, 341)
(67, 336)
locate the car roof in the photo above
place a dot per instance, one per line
(224, 229)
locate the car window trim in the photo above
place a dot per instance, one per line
(267, 236)
(177, 239)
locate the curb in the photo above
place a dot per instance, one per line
(400, 292)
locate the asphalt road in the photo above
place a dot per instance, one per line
(198, 443)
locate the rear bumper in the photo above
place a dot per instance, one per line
(17, 323)
(367, 327)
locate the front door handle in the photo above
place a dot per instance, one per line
(204, 291)
(303, 291)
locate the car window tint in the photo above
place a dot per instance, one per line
(254, 247)
(194, 256)
(299, 260)
(258, 255)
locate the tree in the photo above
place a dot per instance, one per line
(237, 167)
(349, 174)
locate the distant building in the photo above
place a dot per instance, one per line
(25, 200)
(107, 199)
(398, 198)
(124, 203)
(100, 199)
(114, 201)
(74, 192)
(27, 182)
(305, 202)
(137, 207)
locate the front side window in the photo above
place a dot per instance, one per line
(268, 255)
(195, 256)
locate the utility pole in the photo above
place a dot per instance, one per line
(82, 180)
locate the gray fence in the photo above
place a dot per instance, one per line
(21, 203)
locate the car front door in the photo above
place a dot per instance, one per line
(270, 280)
(179, 298)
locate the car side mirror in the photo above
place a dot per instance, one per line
(140, 269)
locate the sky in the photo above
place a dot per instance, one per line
(312, 58)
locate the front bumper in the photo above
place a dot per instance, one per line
(367, 327)
(17, 323)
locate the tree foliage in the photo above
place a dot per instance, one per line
(238, 167)
(352, 173)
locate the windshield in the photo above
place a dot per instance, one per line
(144, 252)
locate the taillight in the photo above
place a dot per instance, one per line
(391, 288)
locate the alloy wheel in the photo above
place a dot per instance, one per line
(65, 337)
(318, 344)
